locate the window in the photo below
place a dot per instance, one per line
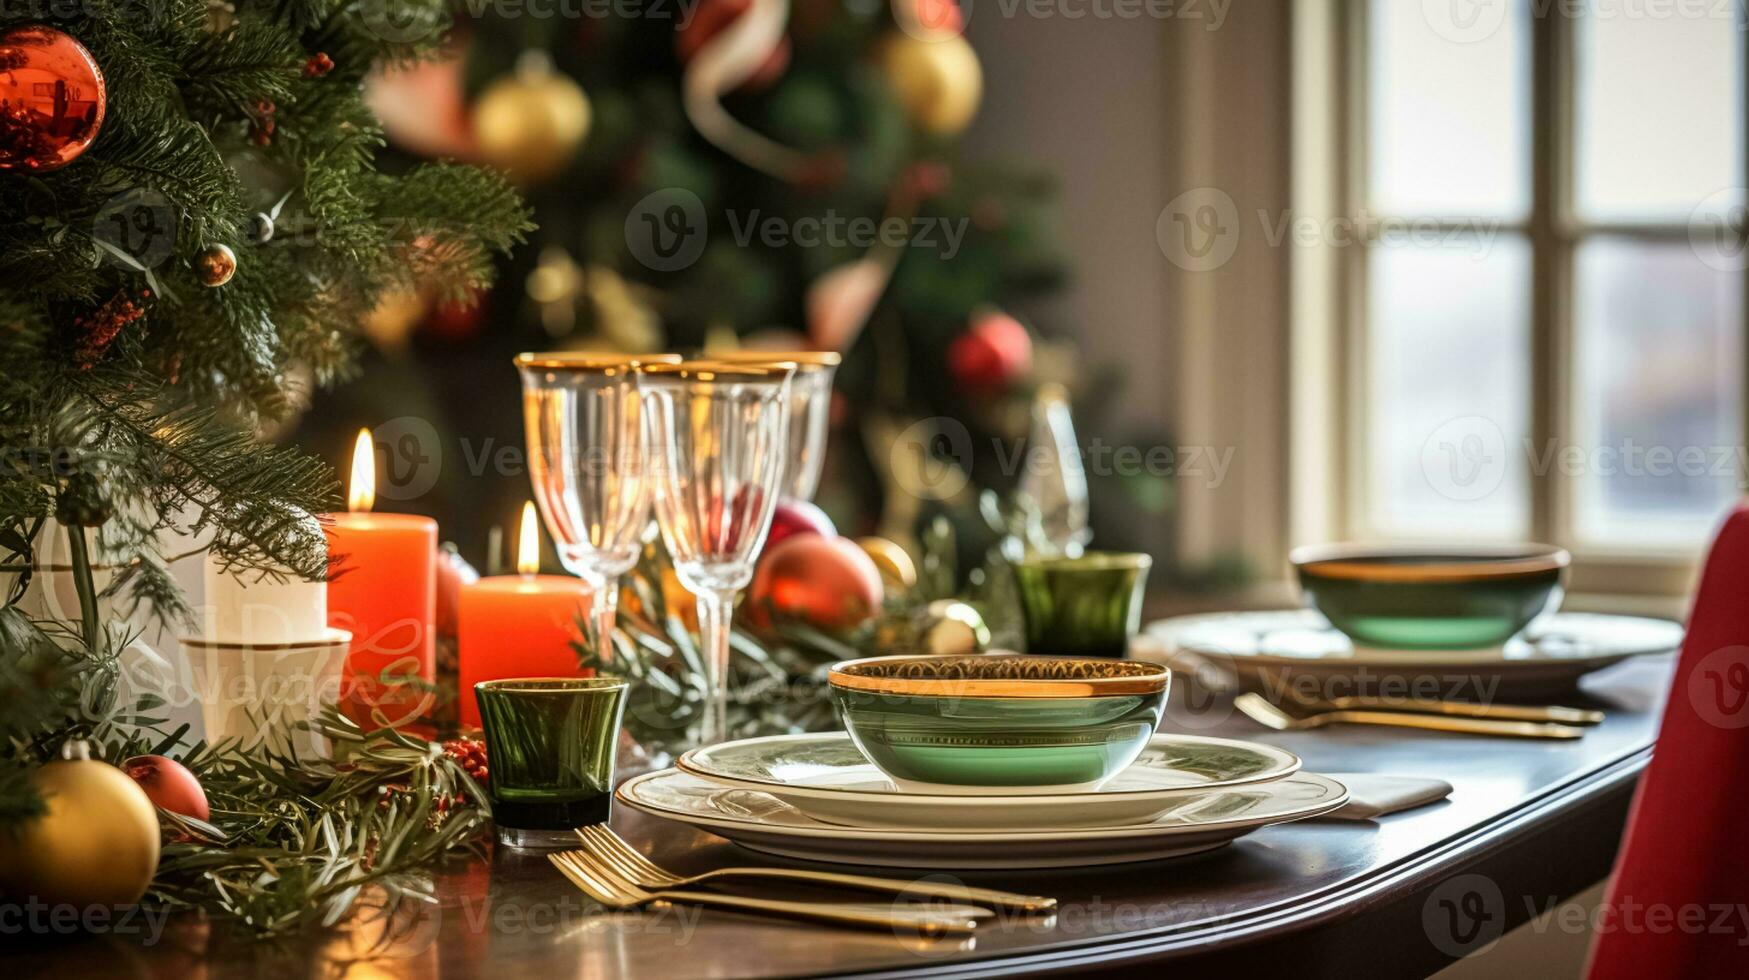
(1545, 324)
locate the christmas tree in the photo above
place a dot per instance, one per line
(192, 224)
(736, 172)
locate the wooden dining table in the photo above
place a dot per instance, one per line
(1528, 824)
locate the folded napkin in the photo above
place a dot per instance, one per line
(1374, 795)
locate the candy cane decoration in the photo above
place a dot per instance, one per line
(723, 64)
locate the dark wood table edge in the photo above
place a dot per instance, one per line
(1549, 847)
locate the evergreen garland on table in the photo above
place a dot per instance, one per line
(295, 840)
(139, 371)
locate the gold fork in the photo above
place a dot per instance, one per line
(614, 849)
(608, 887)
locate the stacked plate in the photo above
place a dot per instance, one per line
(1298, 650)
(816, 797)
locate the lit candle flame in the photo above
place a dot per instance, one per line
(362, 491)
(528, 543)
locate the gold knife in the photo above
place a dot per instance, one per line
(1264, 713)
(1460, 709)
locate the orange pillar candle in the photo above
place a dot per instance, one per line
(383, 590)
(520, 625)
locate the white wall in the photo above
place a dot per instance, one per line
(1087, 99)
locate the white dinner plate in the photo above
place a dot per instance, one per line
(826, 776)
(1193, 823)
(1298, 650)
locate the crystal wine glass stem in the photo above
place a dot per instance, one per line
(603, 607)
(714, 610)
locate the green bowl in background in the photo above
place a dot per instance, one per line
(1417, 598)
(999, 719)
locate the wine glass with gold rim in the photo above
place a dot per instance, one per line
(718, 437)
(810, 397)
(583, 420)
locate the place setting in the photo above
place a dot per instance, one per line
(989, 752)
(1082, 778)
(1455, 639)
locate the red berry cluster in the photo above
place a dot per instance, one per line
(261, 123)
(102, 325)
(388, 794)
(318, 65)
(471, 754)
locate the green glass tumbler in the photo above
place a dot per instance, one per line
(550, 746)
(1088, 606)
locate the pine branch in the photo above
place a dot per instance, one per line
(451, 221)
(253, 495)
(295, 842)
(239, 69)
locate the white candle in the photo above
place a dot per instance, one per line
(245, 605)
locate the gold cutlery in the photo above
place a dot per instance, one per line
(608, 887)
(1462, 709)
(1258, 709)
(613, 849)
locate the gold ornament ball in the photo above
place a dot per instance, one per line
(947, 627)
(215, 265)
(897, 569)
(96, 845)
(938, 81)
(530, 124)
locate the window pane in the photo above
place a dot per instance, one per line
(1659, 103)
(1658, 403)
(1449, 115)
(1449, 373)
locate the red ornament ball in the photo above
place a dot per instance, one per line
(993, 353)
(714, 15)
(169, 784)
(52, 99)
(454, 322)
(828, 583)
(792, 517)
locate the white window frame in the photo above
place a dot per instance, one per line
(1329, 438)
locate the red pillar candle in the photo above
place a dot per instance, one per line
(383, 590)
(518, 625)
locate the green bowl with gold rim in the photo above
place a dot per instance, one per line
(1417, 598)
(997, 720)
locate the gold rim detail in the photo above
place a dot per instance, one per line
(999, 675)
(1359, 564)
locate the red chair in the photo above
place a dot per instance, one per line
(1680, 894)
